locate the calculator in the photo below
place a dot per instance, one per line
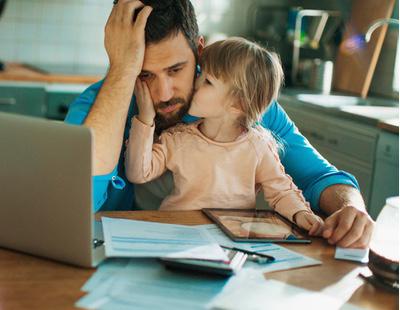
(235, 262)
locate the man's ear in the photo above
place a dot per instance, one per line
(200, 45)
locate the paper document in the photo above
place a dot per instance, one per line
(129, 238)
(284, 258)
(357, 255)
(250, 290)
(146, 284)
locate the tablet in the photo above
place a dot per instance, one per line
(251, 225)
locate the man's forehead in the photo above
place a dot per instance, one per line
(167, 53)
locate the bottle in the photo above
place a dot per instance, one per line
(384, 247)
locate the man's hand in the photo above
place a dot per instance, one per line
(124, 41)
(349, 224)
(124, 37)
(349, 227)
(310, 222)
(145, 103)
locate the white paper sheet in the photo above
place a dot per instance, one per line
(146, 284)
(284, 258)
(249, 290)
(357, 255)
(129, 238)
(105, 271)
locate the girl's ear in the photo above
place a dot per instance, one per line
(236, 108)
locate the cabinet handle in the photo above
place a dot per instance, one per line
(333, 141)
(8, 101)
(317, 136)
(63, 109)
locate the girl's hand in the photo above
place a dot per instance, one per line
(145, 103)
(310, 222)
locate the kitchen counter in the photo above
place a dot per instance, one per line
(21, 72)
(377, 112)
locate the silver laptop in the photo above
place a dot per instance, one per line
(46, 191)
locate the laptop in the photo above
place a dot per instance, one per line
(46, 191)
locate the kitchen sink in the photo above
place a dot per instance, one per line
(338, 101)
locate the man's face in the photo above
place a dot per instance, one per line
(169, 71)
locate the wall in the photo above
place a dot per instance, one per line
(54, 31)
(71, 32)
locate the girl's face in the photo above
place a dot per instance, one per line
(211, 98)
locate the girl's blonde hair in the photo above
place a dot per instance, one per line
(254, 73)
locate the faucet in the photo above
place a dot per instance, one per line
(376, 24)
(324, 15)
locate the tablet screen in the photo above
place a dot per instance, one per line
(257, 225)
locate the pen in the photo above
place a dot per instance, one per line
(259, 257)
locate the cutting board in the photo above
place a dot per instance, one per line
(356, 60)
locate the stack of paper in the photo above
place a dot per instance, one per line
(146, 284)
(139, 283)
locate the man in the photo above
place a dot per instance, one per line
(159, 43)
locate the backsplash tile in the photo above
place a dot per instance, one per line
(72, 32)
(54, 31)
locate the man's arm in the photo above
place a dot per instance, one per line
(124, 42)
(309, 170)
(328, 189)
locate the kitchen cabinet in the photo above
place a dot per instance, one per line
(39, 99)
(348, 145)
(386, 175)
(25, 98)
(59, 97)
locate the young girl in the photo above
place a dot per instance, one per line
(220, 160)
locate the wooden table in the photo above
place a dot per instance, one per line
(28, 282)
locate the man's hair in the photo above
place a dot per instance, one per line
(255, 75)
(168, 18)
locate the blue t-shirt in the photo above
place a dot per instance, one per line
(309, 170)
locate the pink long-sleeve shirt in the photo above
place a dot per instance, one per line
(209, 174)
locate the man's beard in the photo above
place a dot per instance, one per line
(165, 121)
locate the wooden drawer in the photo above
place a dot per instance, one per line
(360, 171)
(58, 103)
(28, 100)
(348, 141)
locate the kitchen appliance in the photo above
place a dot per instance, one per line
(321, 71)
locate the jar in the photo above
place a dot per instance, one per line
(384, 247)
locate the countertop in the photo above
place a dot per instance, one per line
(378, 112)
(21, 72)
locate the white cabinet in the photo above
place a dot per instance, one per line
(386, 175)
(348, 145)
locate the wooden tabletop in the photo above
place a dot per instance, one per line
(21, 72)
(28, 282)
